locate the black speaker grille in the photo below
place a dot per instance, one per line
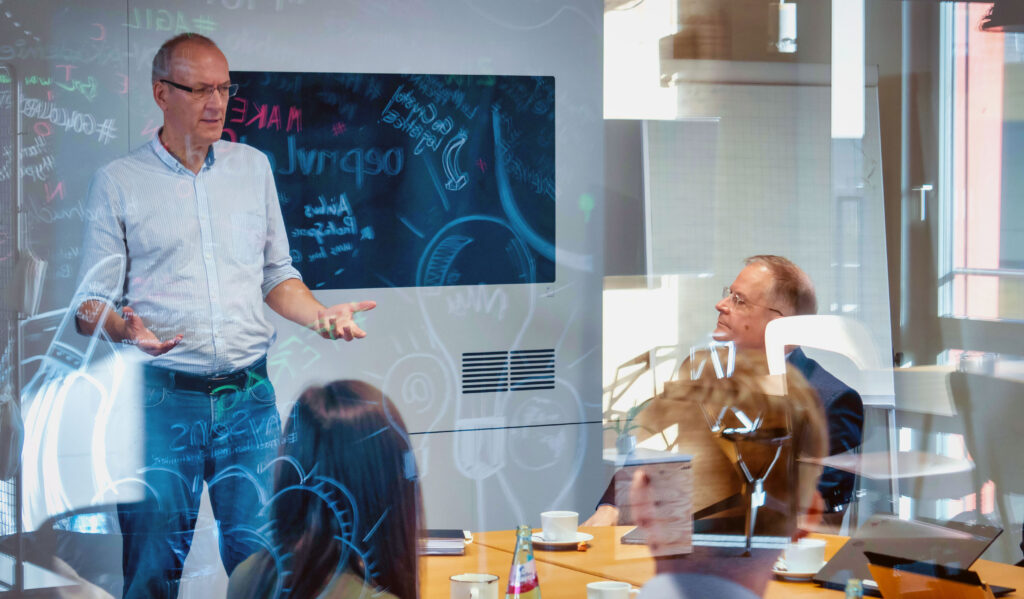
(511, 370)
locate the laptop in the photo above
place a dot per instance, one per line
(949, 544)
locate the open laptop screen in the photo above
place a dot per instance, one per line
(950, 544)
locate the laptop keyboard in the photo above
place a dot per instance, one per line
(757, 542)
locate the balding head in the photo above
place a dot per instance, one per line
(791, 287)
(164, 56)
(767, 288)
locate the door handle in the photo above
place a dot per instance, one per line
(924, 189)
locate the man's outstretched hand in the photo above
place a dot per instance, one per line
(606, 515)
(338, 321)
(136, 333)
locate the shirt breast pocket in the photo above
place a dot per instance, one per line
(248, 233)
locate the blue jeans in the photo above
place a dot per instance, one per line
(226, 439)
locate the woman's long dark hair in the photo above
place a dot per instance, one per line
(346, 492)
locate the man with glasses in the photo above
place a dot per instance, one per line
(767, 288)
(198, 221)
(770, 287)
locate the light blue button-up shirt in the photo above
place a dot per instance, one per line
(202, 250)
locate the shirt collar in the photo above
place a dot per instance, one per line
(171, 161)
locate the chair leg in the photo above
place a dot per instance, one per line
(753, 502)
(852, 520)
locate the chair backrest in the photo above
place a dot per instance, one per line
(992, 412)
(837, 334)
(924, 390)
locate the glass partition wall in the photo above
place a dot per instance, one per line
(874, 144)
(577, 182)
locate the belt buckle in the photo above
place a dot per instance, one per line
(214, 387)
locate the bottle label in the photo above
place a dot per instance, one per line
(523, 577)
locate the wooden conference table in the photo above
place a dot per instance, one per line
(565, 574)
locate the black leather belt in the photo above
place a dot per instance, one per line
(239, 380)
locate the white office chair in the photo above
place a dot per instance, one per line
(992, 412)
(922, 394)
(924, 404)
(837, 334)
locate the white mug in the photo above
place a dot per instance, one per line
(559, 526)
(610, 589)
(806, 555)
(474, 586)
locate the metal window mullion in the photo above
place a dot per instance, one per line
(14, 333)
(947, 125)
(1009, 273)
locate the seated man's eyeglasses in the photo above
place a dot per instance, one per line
(204, 92)
(741, 303)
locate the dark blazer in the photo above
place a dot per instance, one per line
(844, 412)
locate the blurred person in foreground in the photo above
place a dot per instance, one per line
(698, 576)
(346, 508)
(767, 288)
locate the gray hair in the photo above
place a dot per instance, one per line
(162, 59)
(790, 284)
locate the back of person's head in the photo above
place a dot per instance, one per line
(750, 390)
(346, 492)
(790, 284)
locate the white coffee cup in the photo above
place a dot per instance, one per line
(474, 586)
(559, 526)
(806, 555)
(610, 589)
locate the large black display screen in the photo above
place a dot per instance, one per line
(389, 180)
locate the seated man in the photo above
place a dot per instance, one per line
(721, 572)
(767, 288)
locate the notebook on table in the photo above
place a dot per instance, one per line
(445, 541)
(899, 578)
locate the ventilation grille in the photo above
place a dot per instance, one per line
(515, 370)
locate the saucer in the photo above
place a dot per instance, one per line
(538, 539)
(795, 575)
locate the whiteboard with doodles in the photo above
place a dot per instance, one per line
(407, 180)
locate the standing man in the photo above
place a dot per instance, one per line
(767, 288)
(198, 221)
